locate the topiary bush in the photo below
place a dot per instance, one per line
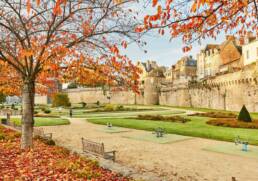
(244, 115)
(47, 111)
(84, 104)
(61, 99)
(98, 103)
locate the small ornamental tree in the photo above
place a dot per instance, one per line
(61, 99)
(244, 115)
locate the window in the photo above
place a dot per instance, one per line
(247, 54)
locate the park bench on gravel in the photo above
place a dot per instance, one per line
(40, 132)
(97, 149)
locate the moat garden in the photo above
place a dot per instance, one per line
(195, 143)
(196, 122)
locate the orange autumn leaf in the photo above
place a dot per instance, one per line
(154, 3)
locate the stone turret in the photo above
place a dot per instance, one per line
(152, 87)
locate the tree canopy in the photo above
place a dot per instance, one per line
(67, 40)
(194, 20)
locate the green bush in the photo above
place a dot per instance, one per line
(163, 118)
(61, 99)
(84, 104)
(4, 121)
(98, 103)
(109, 107)
(244, 115)
(72, 85)
(120, 107)
(47, 111)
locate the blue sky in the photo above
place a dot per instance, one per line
(164, 51)
(160, 48)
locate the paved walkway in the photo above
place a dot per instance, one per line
(185, 160)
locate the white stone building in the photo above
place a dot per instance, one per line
(250, 52)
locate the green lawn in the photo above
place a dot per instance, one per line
(44, 121)
(197, 127)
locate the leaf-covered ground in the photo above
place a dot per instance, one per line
(45, 162)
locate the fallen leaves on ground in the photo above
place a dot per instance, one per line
(45, 162)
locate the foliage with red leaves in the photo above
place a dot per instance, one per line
(46, 162)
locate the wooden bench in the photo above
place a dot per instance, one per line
(97, 149)
(40, 132)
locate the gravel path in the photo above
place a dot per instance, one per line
(183, 160)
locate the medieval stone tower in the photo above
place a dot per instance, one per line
(152, 85)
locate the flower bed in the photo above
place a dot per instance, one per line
(45, 162)
(163, 118)
(233, 123)
(215, 115)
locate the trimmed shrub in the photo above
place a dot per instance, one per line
(98, 103)
(84, 104)
(233, 123)
(4, 121)
(163, 118)
(72, 85)
(244, 115)
(120, 107)
(61, 99)
(47, 111)
(215, 115)
(109, 107)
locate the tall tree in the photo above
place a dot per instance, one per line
(64, 39)
(194, 20)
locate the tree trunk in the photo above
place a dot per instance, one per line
(28, 93)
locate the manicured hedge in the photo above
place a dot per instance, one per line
(233, 123)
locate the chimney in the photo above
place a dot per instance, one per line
(249, 37)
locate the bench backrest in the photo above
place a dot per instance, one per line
(90, 146)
